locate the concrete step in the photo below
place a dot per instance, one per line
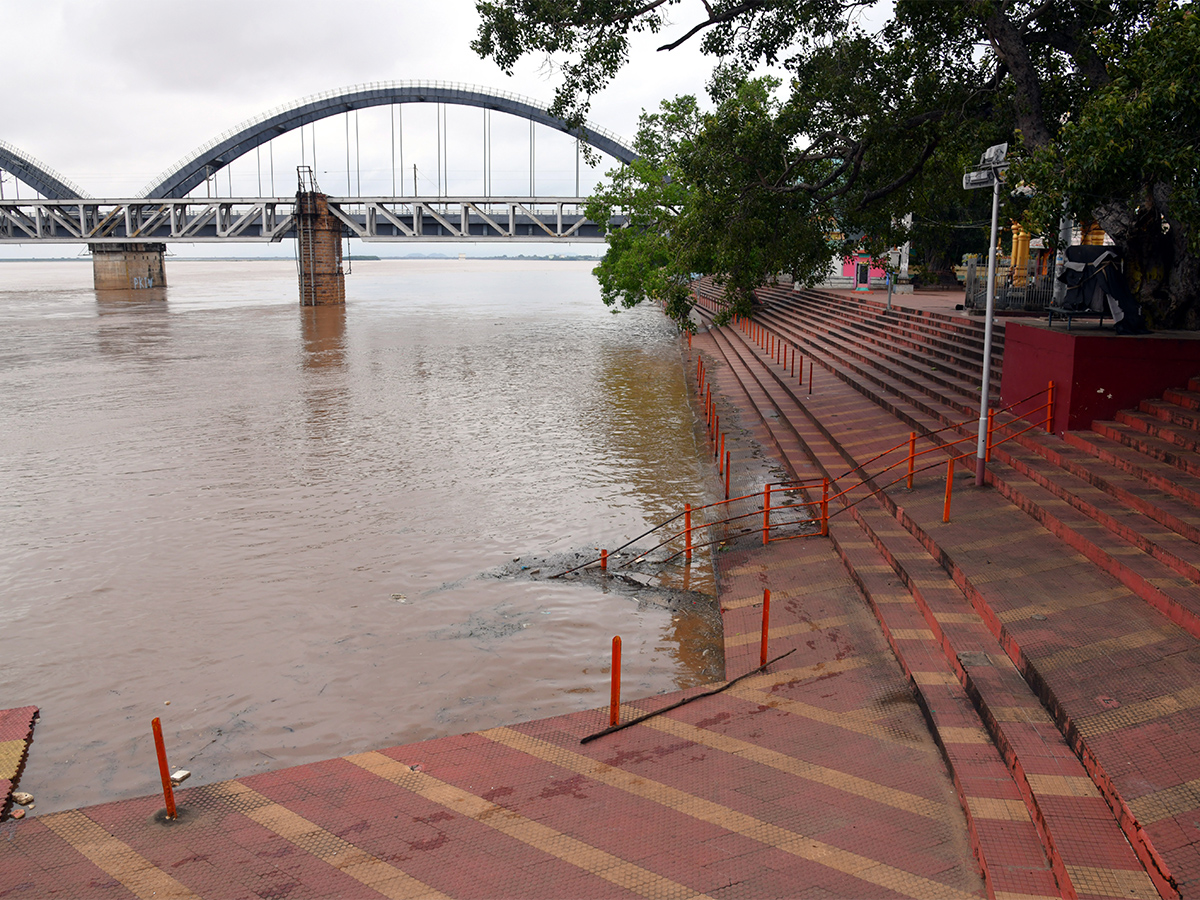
(1173, 413)
(893, 327)
(1162, 475)
(1154, 426)
(1126, 488)
(925, 358)
(1165, 567)
(868, 373)
(1186, 399)
(1150, 446)
(937, 380)
(961, 324)
(970, 338)
(960, 633)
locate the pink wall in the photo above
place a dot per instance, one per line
(848, 269)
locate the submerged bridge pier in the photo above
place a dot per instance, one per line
(318, 245)
(128, 266)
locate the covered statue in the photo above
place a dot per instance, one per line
(1095, 282)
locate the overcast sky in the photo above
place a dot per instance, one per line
(112, 92)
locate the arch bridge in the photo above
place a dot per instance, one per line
(164, 212)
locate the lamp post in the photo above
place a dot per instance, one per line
(991, 167)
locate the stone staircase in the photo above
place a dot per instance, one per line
(1066, 599)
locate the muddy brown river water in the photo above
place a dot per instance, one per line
(298, 527)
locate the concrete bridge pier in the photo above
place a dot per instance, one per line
(128, 267)
(319, 251)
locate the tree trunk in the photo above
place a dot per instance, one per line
(1162, 275)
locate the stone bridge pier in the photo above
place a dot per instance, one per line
(319, 251)
(128, 267)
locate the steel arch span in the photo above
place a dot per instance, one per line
(222, 150)
(38, 175)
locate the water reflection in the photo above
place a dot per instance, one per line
(133, 324)
(324, 332)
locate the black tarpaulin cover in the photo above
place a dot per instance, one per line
(1094, 282)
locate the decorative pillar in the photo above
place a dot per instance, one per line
(1020, 255)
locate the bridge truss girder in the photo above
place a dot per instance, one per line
(271, 219)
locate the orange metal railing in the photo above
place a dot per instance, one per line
(814, 513)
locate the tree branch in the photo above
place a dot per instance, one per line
(904, 179)
(733, 13)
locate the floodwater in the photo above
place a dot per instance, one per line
(296, 534)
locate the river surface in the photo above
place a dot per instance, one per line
(296, 534)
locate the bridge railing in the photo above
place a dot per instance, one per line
(273, 218)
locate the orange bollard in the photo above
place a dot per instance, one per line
(721, 454)
(824, 506)
(687, 530)
(716, 431)
(603, 560)
(801, 371)
(1050, 408)
(689, 340)
(614, 706)
(793, 362)
(766, 513)
(766, 625)
(810, 377)
(987, 453)
(163, 769)
(726, 474)
(949, 490)
(912, 457)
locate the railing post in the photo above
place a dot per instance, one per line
(1050, 408)
(766, 626)
(766, 512)
(810, 377)
(687, 530)
(603, 560)
(912, 457)
(987, 453)
(163, 769)
(716, 431)
(949, 490)
(721, 453)
(726, 474)
(614, 705)
(801, 382)
(824, 506)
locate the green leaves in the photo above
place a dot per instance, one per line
(876, 122)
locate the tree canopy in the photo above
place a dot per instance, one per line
(1097, 98)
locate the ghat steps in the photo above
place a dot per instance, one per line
(1066, 599)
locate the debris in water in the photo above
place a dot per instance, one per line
(22, 798)
(399, 598)
(180, 776)
(18, 813)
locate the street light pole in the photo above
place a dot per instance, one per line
(981, 445)
(991, 165)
